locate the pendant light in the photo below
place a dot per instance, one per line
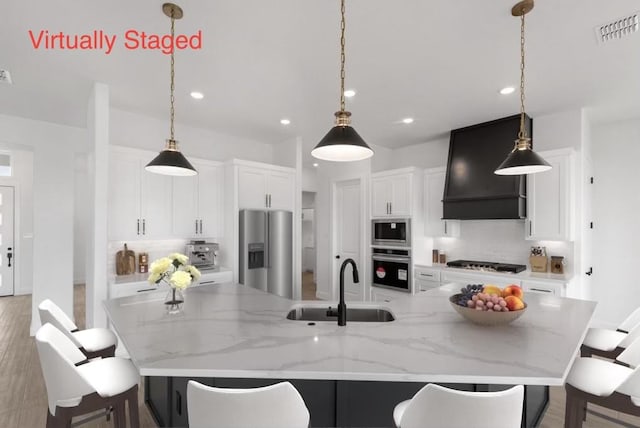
(170, 161)
(342, 143)
(522, 159)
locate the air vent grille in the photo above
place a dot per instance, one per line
(5, 76)
(619, 28)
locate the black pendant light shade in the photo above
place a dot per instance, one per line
(342, 144)
(171, 162)
(522, 161)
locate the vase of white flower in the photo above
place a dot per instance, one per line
(175, 272)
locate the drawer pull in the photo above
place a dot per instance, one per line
(541, 290)
(430, 275)
(146, 289)
(207, 282)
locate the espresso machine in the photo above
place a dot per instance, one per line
(203, 255)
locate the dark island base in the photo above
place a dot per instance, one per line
(331, 403)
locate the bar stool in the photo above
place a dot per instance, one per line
(436, 406)
(274, 406)
(93, 342)
(609, 343)
(77, 386)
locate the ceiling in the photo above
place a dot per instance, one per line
(441, 62)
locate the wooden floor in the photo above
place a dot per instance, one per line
(23, 397)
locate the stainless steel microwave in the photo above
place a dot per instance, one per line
(391, 231)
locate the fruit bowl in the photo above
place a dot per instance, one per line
(485, 317)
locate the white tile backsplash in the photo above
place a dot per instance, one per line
(155, 249)
(498, 241)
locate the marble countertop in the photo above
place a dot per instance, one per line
(142, 277)
(524, 275)
(230, 330)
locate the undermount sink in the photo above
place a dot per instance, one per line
(322, 313)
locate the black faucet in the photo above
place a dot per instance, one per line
(342, 307)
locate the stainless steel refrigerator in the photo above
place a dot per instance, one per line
(266, 251)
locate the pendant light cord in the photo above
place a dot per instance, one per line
(342, 56)
(172, 76)
(523, 133)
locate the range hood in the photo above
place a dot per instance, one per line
(472, 190)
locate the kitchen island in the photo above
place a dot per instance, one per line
(236, 336)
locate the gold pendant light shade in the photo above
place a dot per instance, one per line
(170, 161)
(522, 159)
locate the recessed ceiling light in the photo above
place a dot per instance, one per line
(315, 164)
(285, 121)
(349, 93)
(508, 90)
(407, 120)
(197, 95)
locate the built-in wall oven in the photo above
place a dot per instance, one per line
(392, 268)
(392, 232)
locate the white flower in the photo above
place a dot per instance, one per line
(181, 258)
(180, 279)
(195, 273)
(154, 278)
(160, 266)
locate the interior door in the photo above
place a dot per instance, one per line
(6, 241)
(347, 221)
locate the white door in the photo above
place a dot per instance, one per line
(6, 241)
(347, 220)
(400, 195)
(587, 232)
(124, 197)
(156, 209)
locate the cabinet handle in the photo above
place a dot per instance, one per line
(144, 226)
(429, 275)
(200, 226)
(390, 208)
(266, 200)
(196, 226)
(445, 227)
(138, 226)
(269, 200)
(530, 228)
(178, 403)
(541, 290)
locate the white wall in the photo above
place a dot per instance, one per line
(53, 169)
(432, 154)
(616, 234)
(81, 218)
(145, 132)
(309, 180)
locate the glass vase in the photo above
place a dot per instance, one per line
(174, 301)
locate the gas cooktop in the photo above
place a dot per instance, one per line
(486, 266)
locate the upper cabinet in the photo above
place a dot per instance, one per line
(266, 188)
(139, 201)
(550, 194)
(197, 201)
(435, 226)
(392, 193)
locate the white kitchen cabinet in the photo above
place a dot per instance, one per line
(464, 278)
(550, 207)
(391, 193)
(384, 295)
(425, 278)
(544, 287)
(197, 201)
(435, 226)
(260, 188)
(139, 201)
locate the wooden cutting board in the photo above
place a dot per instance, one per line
(125, 261)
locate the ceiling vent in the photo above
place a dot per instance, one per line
(619, 28)
(5, 77)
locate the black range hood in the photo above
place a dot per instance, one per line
(472, 190)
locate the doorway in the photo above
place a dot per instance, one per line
(308, 246)
(7, 262)
(347, 237)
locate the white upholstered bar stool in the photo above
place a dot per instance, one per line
(610, 343)
(436, 406)
(93, 342)
(77, 386)
(611, 384)
(274, 406)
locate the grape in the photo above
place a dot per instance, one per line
(469, 294)
(489, 304)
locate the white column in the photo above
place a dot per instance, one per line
(98, 172)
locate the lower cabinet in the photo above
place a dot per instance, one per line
(543, 287)
(471, 278)
(331, 403)
(385, 295)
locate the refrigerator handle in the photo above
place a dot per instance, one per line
(267, 243)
